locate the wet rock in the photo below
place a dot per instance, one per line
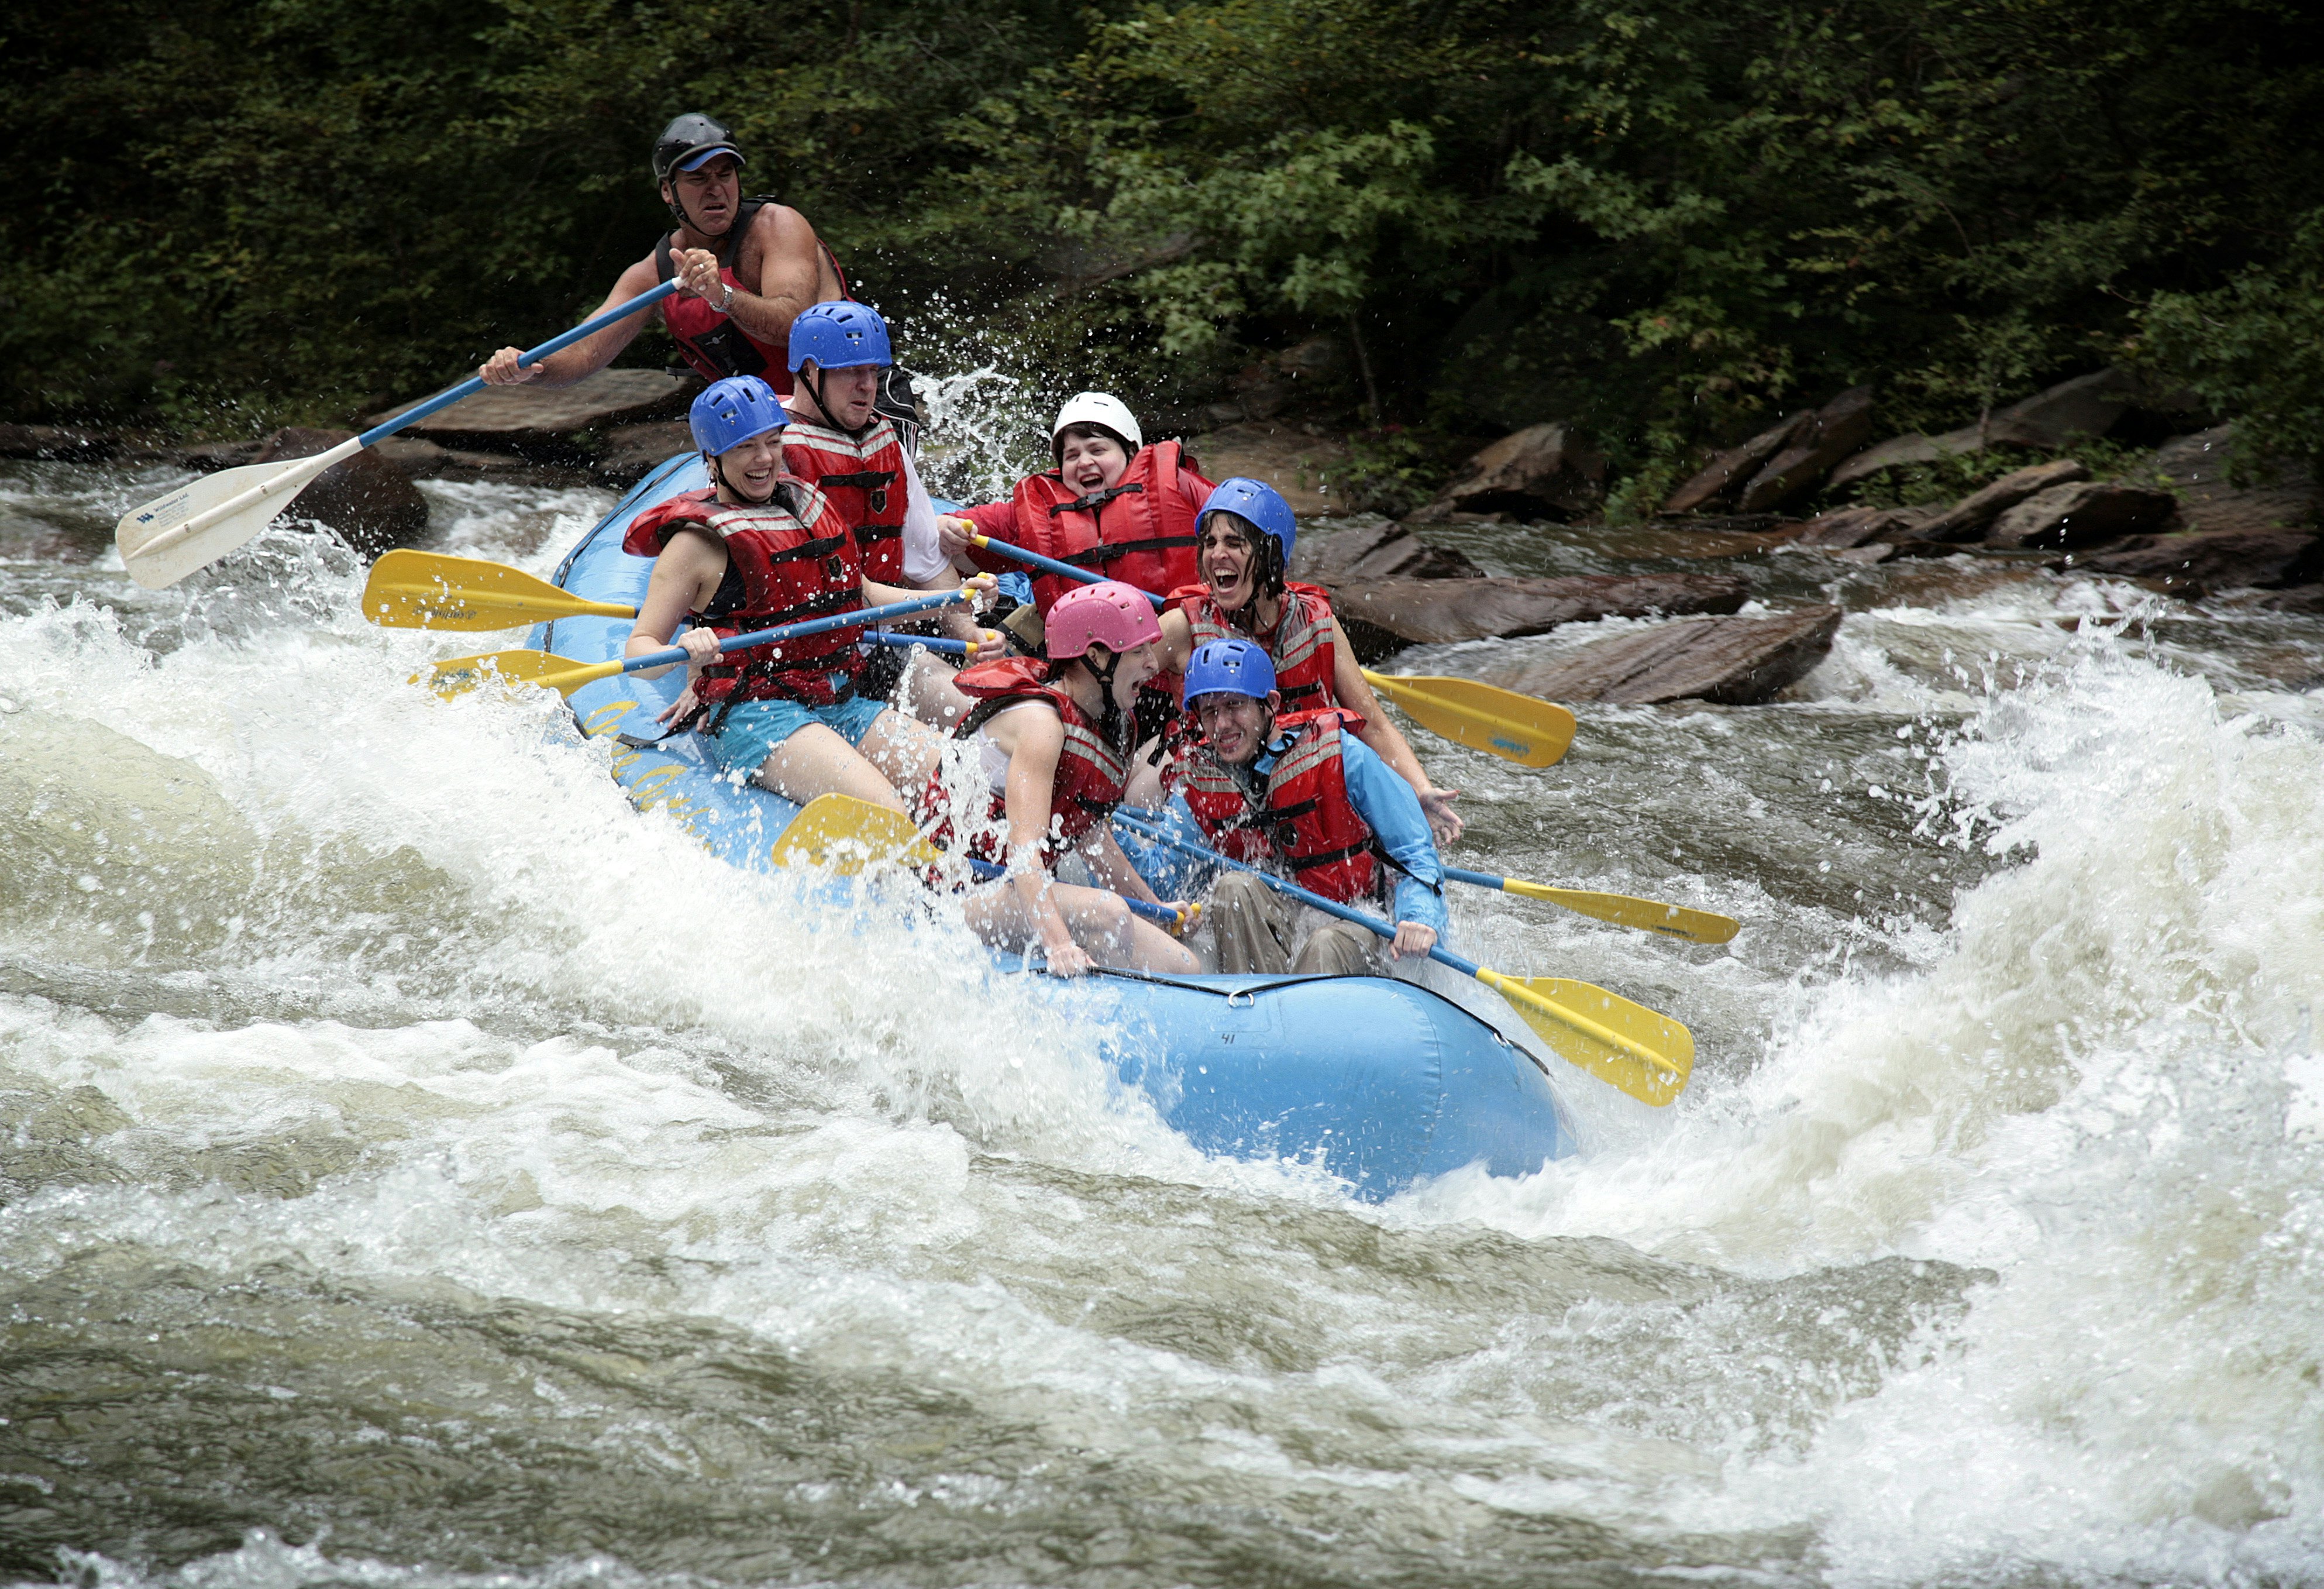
(115, 851)
(1968, 518)
(513, 418)
(365, 498)
(414, 459)
(2214, 559)
(54, 442)
(1849, 528)
(2087, 514)
(2281, 493)
(2085, 406)
(1433, 611)
(1308, 469)
(631, 452)
(1539, 472)
(2296, 598)
(1389, 551)
(1730, 469)
(210, 457)
(1738, 661)
(1830, 435)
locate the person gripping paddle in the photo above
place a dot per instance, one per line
(759, 549)
(745, 269)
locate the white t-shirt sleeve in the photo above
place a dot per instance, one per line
(925, 564)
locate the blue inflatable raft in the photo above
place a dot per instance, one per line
(1382, 1082)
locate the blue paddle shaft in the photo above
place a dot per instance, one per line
(474, 383)
(951, 648)
(1481, 879)
(902, 609)
(1064, 570)
(1291, 890)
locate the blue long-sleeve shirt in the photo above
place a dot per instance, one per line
(1381, 796)
(1391, 809)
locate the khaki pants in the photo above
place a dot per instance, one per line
(1252, 929)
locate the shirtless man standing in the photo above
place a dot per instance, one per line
(745, 267)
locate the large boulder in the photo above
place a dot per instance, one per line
(365, 498)
(1384, 551)
(1845, 528)
(2085, 407)
(631, 452)
(1968, 518)
(517, 418)
(1538, 471)
(1835, 430)
(1436, 610)
(1309, 470)
(2212, 560)
(1720, 478)
(1738, 661)
(2200, 468)
(52, 442)
(2087, 514)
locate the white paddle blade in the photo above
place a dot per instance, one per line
(159, 549)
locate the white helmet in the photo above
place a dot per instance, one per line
(1099, 408)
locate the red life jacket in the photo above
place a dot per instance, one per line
(864, 477)
(1140, 531)
(788, 560)
(1300, 644)
(1308, 822)
(707, 338)
(1091, 773)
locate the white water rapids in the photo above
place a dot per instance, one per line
(418, 1168)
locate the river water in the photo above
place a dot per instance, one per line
(417, 1169)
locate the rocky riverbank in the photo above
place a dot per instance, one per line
(2182, 517)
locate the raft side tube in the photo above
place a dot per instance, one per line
(1380, 1082)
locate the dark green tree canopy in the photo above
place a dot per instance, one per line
(1657, 221)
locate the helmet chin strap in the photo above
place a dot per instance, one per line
(823, 405)
(687, 222)
(1266, 579)
(718, 472)
(1109, 709)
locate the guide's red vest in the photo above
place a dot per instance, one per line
(1307, 823)
(707, 338)
(1140, 531)
(1301, 645)
(864, 477)
(788, 560)
(1091, 772)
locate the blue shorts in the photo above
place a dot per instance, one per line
(754, 728)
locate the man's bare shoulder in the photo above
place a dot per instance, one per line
(778, 228)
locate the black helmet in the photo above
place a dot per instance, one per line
(688, 141)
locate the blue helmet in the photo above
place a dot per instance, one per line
(1259, 503)
(839, 336)
(731, 411)
(1233, 666)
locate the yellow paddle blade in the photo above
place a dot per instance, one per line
(545, 669)
(1520, 728)
(428, 590)
(847, 835)
(1696, 926)
(1647, 1054)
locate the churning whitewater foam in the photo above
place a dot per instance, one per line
(2106, 1092)
(369, 1062)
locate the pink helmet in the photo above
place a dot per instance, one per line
(1112, 614)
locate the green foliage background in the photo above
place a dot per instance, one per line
(1660, 221)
